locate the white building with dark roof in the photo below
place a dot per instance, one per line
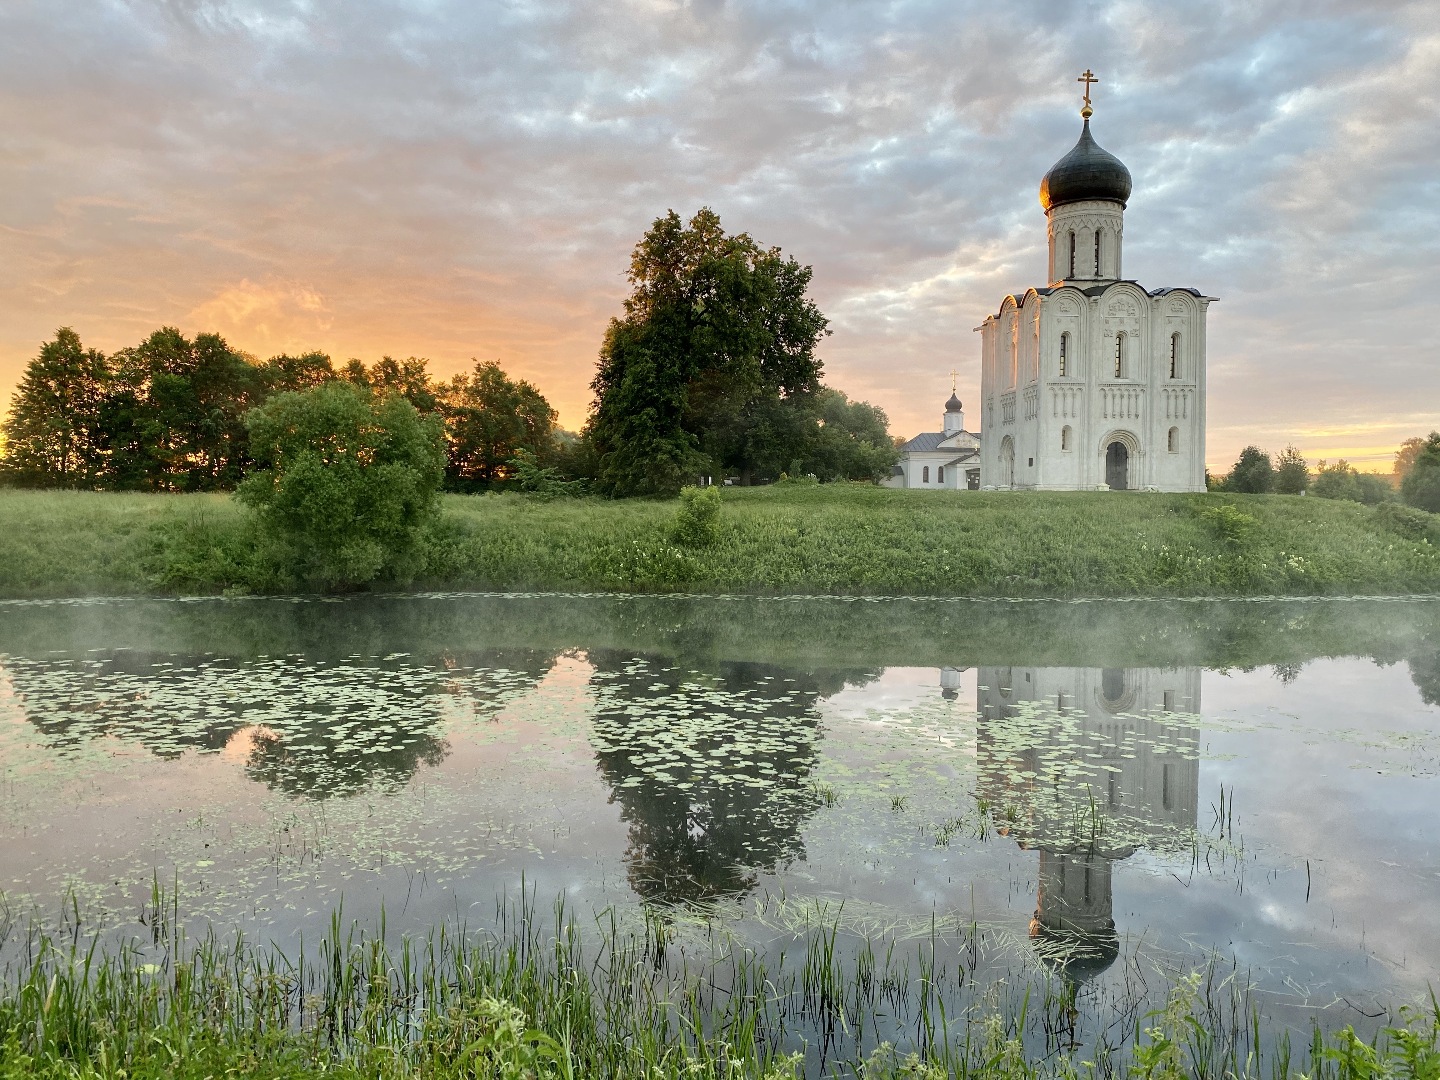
(937, 460)
(1093, 382)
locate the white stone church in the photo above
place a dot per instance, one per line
(1091, 382)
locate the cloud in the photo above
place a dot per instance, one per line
(464, 179)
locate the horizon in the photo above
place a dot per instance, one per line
(463, 183)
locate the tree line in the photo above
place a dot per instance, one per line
(711, 372)
(1414, 478)
(170, 413)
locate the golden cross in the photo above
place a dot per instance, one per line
(1087, 79)
(953, 376)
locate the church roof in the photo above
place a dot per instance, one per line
(1087, 172)
(930, 440)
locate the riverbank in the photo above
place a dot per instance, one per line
(816, 539)
(648, 1000)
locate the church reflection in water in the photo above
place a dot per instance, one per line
(1085, 766)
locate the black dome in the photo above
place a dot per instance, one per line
(953, 405)
(1086, 172)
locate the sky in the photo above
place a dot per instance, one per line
(465, 179)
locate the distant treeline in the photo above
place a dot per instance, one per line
(169, 413)
(1414, 478)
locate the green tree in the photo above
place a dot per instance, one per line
(407, 378)
(489, 419)
(53, 435)
(851, 440)
(1343, 481)
(1253, 474)
(174, 414)
(1421, 486)
(1292, 474)
(283, 372)
(712, 366)
(347, 479)
(1405, 458)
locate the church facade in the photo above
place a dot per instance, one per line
(1093, 382)
(940, 460)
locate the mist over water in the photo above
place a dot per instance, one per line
(1077, 791)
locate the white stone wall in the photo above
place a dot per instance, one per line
(1082, 221)
(1139, 408)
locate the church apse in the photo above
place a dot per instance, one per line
(1085, 766)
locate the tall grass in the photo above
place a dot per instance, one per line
(536, 998)
(851, 539)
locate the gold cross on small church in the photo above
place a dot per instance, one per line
(954, 376)
(1087, 79)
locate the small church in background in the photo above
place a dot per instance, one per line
(949, 458)
(1088, 383)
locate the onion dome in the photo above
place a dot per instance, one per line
(953, 405)
(1086, 172)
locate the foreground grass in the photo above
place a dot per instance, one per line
(535, 1002)
(851, 539)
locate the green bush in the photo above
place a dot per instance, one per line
(347, 482)
(1233, 524)
(1408, 522)
(697, 521)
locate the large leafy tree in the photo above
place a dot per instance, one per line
(53, 434)
(173, 416)
(489, 419)
(713, 365)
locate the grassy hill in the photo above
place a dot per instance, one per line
(836, 539)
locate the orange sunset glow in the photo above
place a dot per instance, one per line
(466, 181)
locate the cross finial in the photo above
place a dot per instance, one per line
(1087, 79)
(954, 375)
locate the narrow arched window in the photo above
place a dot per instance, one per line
(1064, 355)
(925, 475)
(1072, 254)
(939, 474)
(1119, 356)
(1174, 441)
(1174, 356)
(1097, 252)
(1065, 437)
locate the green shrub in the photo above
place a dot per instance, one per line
(544, 481)
(1408, 522)
(697, 521)
(348, 479)
(1233, 524)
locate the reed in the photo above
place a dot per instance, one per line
(536, 997)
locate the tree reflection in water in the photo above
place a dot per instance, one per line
(310, 727)
(712, 770)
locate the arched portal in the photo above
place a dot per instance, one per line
(1117, 466)
(1007, 462)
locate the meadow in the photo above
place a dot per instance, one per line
(852, 539)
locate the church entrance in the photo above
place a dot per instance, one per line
(1117, 466)
(1007, 462)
